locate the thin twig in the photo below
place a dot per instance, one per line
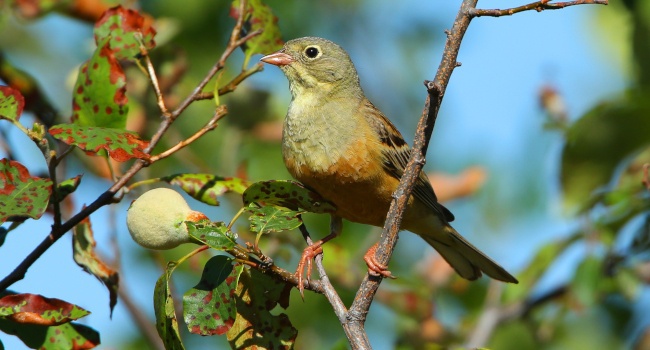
(153, 78)
(538, 6)
(219, 113)
(230, 86)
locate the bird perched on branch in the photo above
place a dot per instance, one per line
(336, 142)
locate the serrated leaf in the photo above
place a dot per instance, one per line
(166, 321)
(99, 95)
(209, 307)
(21, 195)
(269, 219)
(66, 336)
(83, 246)
(12, 103)
(207, 187)
(288, 194)
(255, 327)
(121, 145)
(597, 144)
(68, 186)
(125, 29)
(214, 234)
(258, 16)
(38, 310)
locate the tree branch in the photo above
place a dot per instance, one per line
(538, 6)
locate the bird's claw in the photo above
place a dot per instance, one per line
(308, 255)
(375, 268)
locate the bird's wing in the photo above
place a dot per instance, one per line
(396, 155)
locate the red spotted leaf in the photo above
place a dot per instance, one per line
(255, 326)
(288, 194)
(207, 187)
(66, 336)
(126, 29)
(38, 310)
(21, 195)
(166, 321)
(210, 308)
(99, 95)
(121, 145)
(258, 16)
(11, 103)
(83, 246)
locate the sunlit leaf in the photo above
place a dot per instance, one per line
(207, 187)
(83, 245)
(255, 326)
(125, 29)
(213, 234)
(38, 310)
(12, 103)
(258, 15)
(270, 218)
(209, 307)
(288, 194)
(598, 142)
(166, 321)
(121, 145)
(99, 95)
(21, 194)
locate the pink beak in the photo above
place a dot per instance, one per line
(278, 59)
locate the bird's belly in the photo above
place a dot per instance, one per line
(357, 186)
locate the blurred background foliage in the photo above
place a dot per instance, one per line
(558, 198)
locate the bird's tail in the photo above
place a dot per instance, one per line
(467, 260)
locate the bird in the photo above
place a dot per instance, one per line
(338, 144)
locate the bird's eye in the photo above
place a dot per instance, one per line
(312, 52)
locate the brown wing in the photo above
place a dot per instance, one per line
(396, 157)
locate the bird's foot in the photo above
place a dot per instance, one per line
(308, 255)
(375, 268)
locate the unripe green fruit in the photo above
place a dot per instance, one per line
(156, 220)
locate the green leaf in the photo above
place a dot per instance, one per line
(21, 194)
(209, 307)
(258, 16)
(67, 187)
(37, 8)
(125, 29)
(598, 142)
(214, 234)
(540, 263)
(288, 194)
(12, 103)
(66, 336)
(586, 284)
(166, 321)
(83, 246)
(121, 145)
(99, 95)
(38, 310)
(255, 326)
(273, 219)
(207, 187)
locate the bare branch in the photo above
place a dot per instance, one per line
(538, 6)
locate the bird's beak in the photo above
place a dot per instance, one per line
(278, 59)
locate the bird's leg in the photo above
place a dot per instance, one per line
(375, 268)
(309, 253)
